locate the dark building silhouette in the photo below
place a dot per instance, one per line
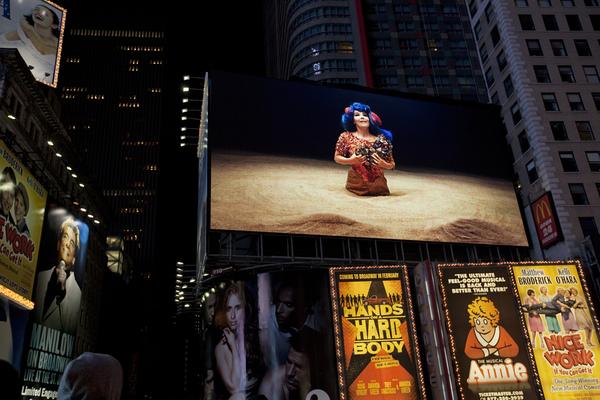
(421, 47)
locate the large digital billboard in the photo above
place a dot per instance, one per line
(22, 205)
(299, 158)
(35, 28)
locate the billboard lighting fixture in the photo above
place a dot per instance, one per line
(192, 280)
(96, 222)
(83, 209)
(183, 129)
(177, 280)
(90, 216)
(205, 274)
(179, 269)
(58, 155)
(184, 110)
(183, 117)
(185, 99)
(10, 116)
(81, 185)
(179, 275)
(212, 290)
(69, 168)
(75, 203)
(186, 77)
(182, 137)
(184, 287)
(187, 305)
(185, 89)
(50, 143)
(181, 144)
(74, 175)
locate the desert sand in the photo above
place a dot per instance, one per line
(263, 193)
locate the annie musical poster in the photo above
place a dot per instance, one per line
(562, 328)
(487, 339)
(375, 344)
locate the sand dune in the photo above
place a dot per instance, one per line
(253, 192)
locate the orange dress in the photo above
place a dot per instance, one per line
(365, 179)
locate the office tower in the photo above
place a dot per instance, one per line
(421, 47)
(111, 86)
(541, 65)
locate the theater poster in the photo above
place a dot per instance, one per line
(376, 347)
(563, 329)
(488, 342)
(22, 204)
(57, 296)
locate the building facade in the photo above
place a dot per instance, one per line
(421, 47)
(32, 131)
(540, 61)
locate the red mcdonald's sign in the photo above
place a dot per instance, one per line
(546, 221)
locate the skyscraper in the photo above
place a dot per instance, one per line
(541, 65)
(421, 47)
(111, 88)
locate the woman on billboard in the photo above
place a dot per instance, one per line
(230, 352)
(36, 38)
(367, 149)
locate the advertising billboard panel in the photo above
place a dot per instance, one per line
(488, 344)
(269, 336)
(563, 329)
(59, 284)
(35, 28)
(22, 205)
(299, 158)
(377, 351)
(547, 226)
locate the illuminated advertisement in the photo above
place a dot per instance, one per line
(546, 221)
(488, 345)
(268, 337)
(35, 28)
(57, 299)
(562, 327)
(300, 158)
(22, 204)
(378, 357)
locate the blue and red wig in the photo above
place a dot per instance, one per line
(374, 120)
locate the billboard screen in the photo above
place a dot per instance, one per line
(59, 284)
(22, 205)
(299, 158)
(35, 28)
(376, 345)
(269, 336)
(488, 344)
(562, 325)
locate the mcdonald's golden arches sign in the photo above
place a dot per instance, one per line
(546, 222)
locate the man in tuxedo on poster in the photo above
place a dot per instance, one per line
(58, 294)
